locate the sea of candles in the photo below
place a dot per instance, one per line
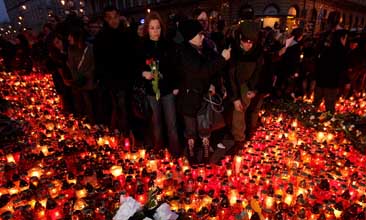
(64, 168)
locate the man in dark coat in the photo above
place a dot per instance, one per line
(114, 66)
(245, 68)
(290, 64)
(331, 71)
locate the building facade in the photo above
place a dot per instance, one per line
(35, 13)
(311, 14)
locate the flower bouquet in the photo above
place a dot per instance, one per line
(154, 67)
(131, 209)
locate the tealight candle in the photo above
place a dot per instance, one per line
(82, 193)
(288, 199)
(35, 172)
(116, 170)
(238, 160)
(80, 204)
(269, 202)
(10, 158)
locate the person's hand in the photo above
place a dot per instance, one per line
(250, 94)
(238, 106)
(226, 53)
(224, 96)
(147, 75)
(282, 51)
(68, 82)
(212, 90)
(175, 91)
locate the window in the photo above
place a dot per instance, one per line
(271, 10)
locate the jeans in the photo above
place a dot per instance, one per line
(239, 122)
(164, 107)
(330, 96)
(83, 103)
(119, 117)
(253, 110)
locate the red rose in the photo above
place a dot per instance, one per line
(148, 62)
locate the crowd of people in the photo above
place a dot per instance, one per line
(179, 66)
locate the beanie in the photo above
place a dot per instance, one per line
(248, 30)
(189, 29)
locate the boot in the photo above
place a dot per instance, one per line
(206, 150)
(235, 150)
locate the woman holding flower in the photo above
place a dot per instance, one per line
(158, 70)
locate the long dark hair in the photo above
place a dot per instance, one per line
(79, 35)
(154, 16)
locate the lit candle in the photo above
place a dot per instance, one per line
(153, 165)
(82, 193)
(80, 204)
(288, 199)
(3, 191)
(142, 153)
(269, 201)
(233, 196)
(44, 150)
(320, 136)
(116, 170)
(238, 160)
(14, 190)
(10, 158)
(141, 199)
(35, 172)
(337, 213)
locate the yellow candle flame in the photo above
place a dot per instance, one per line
(116, 170)
(35, 172)
(81, 193)
(10, 158)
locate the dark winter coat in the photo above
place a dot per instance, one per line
(331, 67)
(59, 62)
(114, 58)
(196, 70)
(164, 52)
(84, 77)
(290, 62)
(245, 68)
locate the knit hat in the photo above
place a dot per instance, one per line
(248, 30)
(189, 29)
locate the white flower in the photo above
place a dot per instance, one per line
(164, 213)
(128, 208)
(146, 218)
(312, 117)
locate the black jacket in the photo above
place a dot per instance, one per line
(290, 62)
(196, 70)
(331, 67)
(164, 52)
(245, 68)
(114, 58)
